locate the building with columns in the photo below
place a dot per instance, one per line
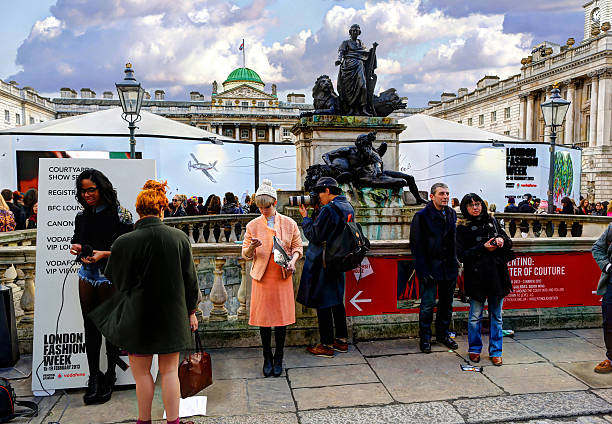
(22, 106)
(584, 73)
(241, 109)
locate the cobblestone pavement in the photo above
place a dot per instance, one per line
(547, 378)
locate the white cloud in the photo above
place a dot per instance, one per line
(48, 28)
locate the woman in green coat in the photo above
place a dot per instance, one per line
(154, 307)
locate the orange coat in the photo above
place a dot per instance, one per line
(272, 297)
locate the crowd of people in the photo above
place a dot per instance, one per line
(181, 205)
(18, 211)
(531, 204)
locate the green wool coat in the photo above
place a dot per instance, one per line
(153, 272)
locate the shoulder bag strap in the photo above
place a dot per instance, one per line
(198, 342)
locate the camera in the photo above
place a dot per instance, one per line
(493, 242)
(86, 252)
(306, 200)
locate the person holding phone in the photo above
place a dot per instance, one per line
(272, 298)
(97, 226)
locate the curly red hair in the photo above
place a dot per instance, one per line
(152, 199)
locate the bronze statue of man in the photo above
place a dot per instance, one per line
(356, 78)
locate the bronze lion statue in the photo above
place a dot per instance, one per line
(326, 101)
(387, 101)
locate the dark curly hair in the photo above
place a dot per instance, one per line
(471, 198)
(108, 195)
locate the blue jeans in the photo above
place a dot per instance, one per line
(445, 289)
(475, 325)
(606, 310)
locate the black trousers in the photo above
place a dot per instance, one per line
(328, 317)
(91, 296)
(445, 290)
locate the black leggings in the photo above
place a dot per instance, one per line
(91, 296)
(279, 338)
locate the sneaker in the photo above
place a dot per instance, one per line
(340, 346)
(321, 350)
(603, 367)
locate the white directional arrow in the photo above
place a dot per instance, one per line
(354, 300)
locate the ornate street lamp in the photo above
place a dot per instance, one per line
(131, 95)
(554, 110)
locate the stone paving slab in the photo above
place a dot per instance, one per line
(246, 419)
(543, 334)
(235, 353)
(230, 368)
(532, 378)
(331, 376)
(428, 377)
(606, 394)
(395, 347)
(584, 372)
(226, 397)
(578, 420)
(269, 395)
(588, 333)
(597, 342)
(418, 413)
(531, 406)
(298, 357)
(341, 396)
(513, 353)
(572, 349)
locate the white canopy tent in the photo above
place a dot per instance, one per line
(422, 127)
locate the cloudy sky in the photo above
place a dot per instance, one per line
(425, 46)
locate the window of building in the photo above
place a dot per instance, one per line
(460, 122)
(588, 128)
(17, 119)
(228, 132)
(506, 132)
(244, 133)
(261, 133)
(31, 120)
(245, 105)
(7, 116)
(507, 113)
(480, 119)
(227, 105)
(286, 132)
(493, 116)
(261, 104)
(470, 122)
(588, 92)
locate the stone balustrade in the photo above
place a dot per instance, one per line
(200, 228)
(18, 238)
(555, 225)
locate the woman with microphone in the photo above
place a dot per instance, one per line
(96, 227)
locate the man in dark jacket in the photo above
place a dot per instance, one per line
(432, 241)
(18, 211)
(526, 206)
(511, 206)
(319, 287)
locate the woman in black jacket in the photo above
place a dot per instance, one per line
(96, 227)
(484, 249)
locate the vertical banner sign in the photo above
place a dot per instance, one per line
(59, 360)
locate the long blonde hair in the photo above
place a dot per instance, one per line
(3, 205)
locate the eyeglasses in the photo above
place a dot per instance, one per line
(176, 200)
(475, 205)
(89, 190)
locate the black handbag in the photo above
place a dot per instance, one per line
(8, 403)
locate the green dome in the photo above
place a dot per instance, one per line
(243, 74)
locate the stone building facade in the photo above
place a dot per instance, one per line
(584, 73)
(22, 106)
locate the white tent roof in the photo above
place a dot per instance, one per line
(109, 123)
(420, 127)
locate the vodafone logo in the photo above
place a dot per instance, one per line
(59, 376)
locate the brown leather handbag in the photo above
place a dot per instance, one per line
(195, 371)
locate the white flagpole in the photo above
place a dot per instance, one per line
(243, 56)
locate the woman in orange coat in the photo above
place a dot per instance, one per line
(272, 298)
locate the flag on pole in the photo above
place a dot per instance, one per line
(241, 46)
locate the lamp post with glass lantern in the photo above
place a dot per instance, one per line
(131, 95)
(554, 110)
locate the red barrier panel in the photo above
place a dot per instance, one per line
(388, 284)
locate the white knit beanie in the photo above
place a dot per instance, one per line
(266, 188)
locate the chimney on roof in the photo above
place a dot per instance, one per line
(447, 96)
(487, 80)
(107, 95)
(15, 83)
(432, 103)
(196, 96)
(462, 91)
(147, 95)
(87, 93)
(67, 93)
(296, 98)
(160, 94)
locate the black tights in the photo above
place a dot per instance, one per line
(279, 338)
(91, 296)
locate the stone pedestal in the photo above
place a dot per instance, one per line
(322, 133)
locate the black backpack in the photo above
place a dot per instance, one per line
(347, 249)
(8, 403)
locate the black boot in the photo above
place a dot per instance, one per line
(278, 363)
(105, 390)
(267, 365)
(92, 388)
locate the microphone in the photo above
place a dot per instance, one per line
(86, 251)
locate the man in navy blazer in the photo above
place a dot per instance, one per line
(432, 241)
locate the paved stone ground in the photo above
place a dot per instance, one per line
(547, 378)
